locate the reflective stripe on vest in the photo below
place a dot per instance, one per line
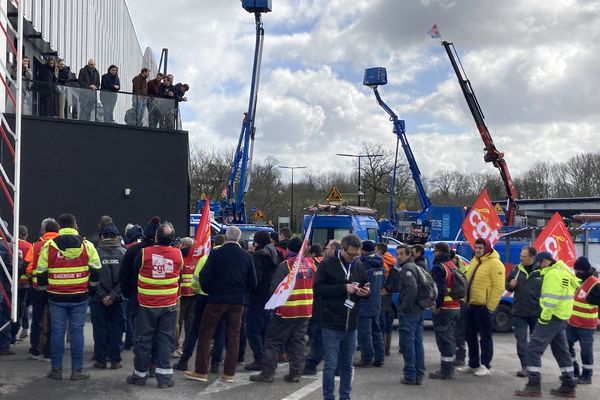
(584, 315)
(187, 276)
(449, 303)
(300, 302)
(67, 275)
(158, 278)
(37, 247)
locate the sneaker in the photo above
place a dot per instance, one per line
(214, 368)
(482, 371)
(99, 365)
(227, 379)
(169, 384)
(55, 373)
(253, 366)
(466, 369)
(116, 365)
(530, 390)
(291, 378)
(262, 378)
(136, 380)
(38, 357)
(79, 375)
(193, 375)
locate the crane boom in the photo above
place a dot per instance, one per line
(492, 154)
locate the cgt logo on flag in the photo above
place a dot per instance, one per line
(434, 32)
(482, 221)
(556, 240)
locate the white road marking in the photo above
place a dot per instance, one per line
(306, 390)
(241, 379)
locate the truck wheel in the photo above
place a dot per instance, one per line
(503, 318)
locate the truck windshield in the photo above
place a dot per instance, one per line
(324, 235)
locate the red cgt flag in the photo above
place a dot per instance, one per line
(482, 221)
(201, 245)
(556, 240)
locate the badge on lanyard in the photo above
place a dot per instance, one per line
(349, 304)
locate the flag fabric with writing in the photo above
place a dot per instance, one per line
(285, 288)
(482, 221)
(434, 32)
(556, 240)
(201, 245)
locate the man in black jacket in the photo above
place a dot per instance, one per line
(266, 260)
(525, 282)
(227, 277)
(89, 78)
(340, 284)
(410, 319)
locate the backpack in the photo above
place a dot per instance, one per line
(459, 283)
(426, 288)
(392, 283)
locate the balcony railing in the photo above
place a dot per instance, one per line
(42, 99)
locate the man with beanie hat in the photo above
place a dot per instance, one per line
(584, 320)
(485, 287)
(558, 287)
(289, 324)
(133, 234)
(370, 337)
(128, 276)
(266, 259)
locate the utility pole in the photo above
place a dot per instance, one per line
(359, 157)
(292, 199)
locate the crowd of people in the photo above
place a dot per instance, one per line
(144, 294)
(48, 92)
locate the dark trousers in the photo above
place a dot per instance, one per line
(316, 348)
(130, 313)
(285, 333)
(478, 332)
(154, 341)
(189, 344)
(553, 334)
(213, 313)
(370, 340)
(220, 341)
(444, 326)
(257, 318)
(22, 317)
(411, 340)
(39, 337)
(186, 317)
(460, 336)
(5, 334)
(523, 329)
(108, 323)
(585, 337)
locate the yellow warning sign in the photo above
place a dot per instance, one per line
(402, 206)
(203, 196)
(334, 195)
(499, 209)
(259, 215)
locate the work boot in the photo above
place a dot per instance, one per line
(405, 381)
(133, 379)
(253, 366)
(530, 390)
(446, 371)
(388, 343)
(564, 391)
(262, 378)
(586, 377)
(291, 378)
(165, 385)
(79, 375)
(55, 373)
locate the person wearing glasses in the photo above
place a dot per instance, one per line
(340, 284)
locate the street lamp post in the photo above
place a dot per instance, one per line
(292, 199)
(359, 156)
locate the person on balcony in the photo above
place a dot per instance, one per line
(109, 86)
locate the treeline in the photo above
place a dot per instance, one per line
(209, 171)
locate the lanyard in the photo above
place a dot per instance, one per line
(346, 270)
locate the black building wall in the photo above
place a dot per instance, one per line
(84, 168)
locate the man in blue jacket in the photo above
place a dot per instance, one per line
(370, 338)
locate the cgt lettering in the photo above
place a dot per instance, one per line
(551, 246)
(481, 228)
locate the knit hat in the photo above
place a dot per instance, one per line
(368, 246)
(582, 264)
(294, 245)
(543, 255)
(262, 238)
(151, 228)
(132, 233)
(109, 231)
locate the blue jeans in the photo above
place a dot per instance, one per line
(585, 337)
(60, 313)
(339, 346)
(370, 340)
(411, 340)
(523, 329)
(108, 326)
(257, 318)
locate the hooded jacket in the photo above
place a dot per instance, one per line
(486, 280)
(526, 299)
(266, 259)
(373, 265)
(111, 254)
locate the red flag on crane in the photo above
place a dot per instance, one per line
(201, 245)
(556, 240)
(482, 221)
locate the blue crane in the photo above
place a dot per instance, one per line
(420, 223)
(233, 208)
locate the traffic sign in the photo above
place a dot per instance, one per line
(334, 195)
(259, 215)
(499, 209)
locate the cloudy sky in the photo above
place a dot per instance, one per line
(533, 65)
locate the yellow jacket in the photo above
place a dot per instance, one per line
(487, 286)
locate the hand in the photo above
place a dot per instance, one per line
(117, 87)
(351, 288)
(363, 291)
(107, 300)
(513, 283)
(93, 87)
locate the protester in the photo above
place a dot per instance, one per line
(284, 236)
(340, 284)
(89, 78)
(64, 77)
(140, 91)
(185, 308)
(46, 79)
(110, 85)
(386, 317)
(418, 254)
(459, 331)
(133, 234)
(153, 103)
(23, 296)
(26, 85)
